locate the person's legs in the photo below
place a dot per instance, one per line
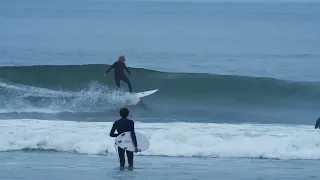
(126, 80)
(117, 81)
(130, 158)
(121, 156)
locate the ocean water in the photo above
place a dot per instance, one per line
(238, 82)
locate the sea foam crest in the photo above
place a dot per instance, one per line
(167, 139)
(95, 97)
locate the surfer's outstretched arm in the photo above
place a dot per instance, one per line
(113, 129)
(111, 67)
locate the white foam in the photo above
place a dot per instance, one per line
(168, 139)
(94, 98)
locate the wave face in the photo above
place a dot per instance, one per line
(201, 140)
(82, 91)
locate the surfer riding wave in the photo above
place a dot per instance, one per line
(119, 66)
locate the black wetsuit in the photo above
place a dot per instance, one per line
(124, 125)
(119, 74)
(317, 125)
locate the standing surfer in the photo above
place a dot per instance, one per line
(317, 125)
(119, 74)
(124, 125)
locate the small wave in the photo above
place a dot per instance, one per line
(71, 91)
(61, 79)
(167, 139)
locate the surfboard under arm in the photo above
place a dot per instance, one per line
(124, 141)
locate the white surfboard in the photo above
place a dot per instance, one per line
(124, 141)
(145, 93)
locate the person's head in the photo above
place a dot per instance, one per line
(122, 58)
(124, 112)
